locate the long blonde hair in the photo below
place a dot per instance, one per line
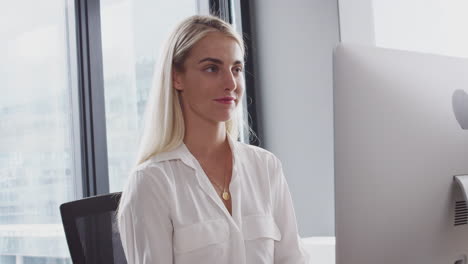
(164, 123)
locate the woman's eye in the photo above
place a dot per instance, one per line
(238, 69)
(212, 69)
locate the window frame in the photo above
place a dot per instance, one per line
(93, 143)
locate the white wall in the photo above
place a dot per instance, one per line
(294, 45)
(438, 28)
(357, 21)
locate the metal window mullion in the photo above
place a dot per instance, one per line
(252, 89)
(232, 11)
(95, 176)
(241, 15)
(222, 9)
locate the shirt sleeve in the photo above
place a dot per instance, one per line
(289, 250)
(144, 219)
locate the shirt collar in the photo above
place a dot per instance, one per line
(183, 153)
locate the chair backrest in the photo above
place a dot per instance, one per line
(91, 230)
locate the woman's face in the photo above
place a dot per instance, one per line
(211, 83)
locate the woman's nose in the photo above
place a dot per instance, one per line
(230, 81)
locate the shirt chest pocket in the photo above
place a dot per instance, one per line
(200, 235)
(263, 226)
(260, 234)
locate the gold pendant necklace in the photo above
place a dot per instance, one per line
(226, 196)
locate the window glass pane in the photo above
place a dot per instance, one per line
(432, 26)
(133, 32)
(36, 144)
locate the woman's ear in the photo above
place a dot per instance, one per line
(177, 80)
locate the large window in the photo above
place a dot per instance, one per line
(50, 115)
(133, 32)
(37, 142)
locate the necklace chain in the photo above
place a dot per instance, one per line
(225, 194)
(216, 185)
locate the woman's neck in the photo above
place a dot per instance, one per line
(206, 140)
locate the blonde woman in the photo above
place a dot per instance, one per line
(197, 195)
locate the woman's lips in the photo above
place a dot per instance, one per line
(226, 100)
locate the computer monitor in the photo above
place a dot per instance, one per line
(400, 121)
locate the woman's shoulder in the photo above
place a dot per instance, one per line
(151, 170)
(255, 153)
(146, 182)
(151, 165)
(148, 178)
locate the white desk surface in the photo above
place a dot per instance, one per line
(321, 249)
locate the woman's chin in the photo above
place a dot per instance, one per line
(224, 119)
(223, 116)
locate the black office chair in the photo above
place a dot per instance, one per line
(91, 230)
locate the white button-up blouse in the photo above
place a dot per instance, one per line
(171, 213)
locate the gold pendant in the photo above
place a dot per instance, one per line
(226, 195)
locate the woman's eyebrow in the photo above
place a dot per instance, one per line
(218, 61)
